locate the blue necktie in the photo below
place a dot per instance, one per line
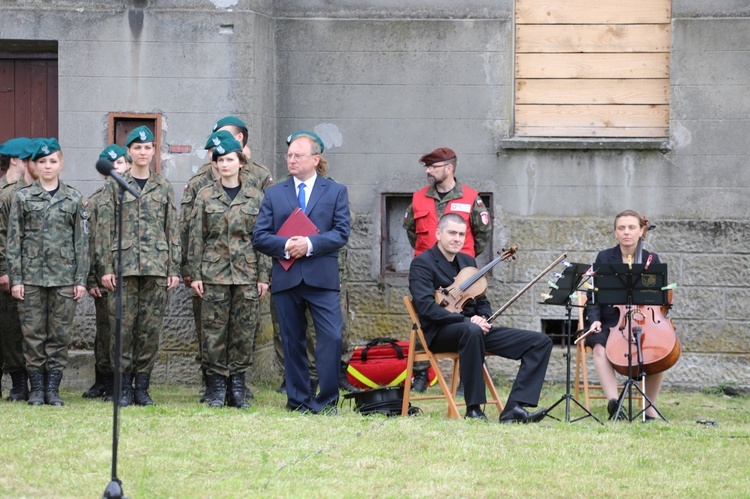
(301, 197)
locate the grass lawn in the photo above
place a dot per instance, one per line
(182, 449)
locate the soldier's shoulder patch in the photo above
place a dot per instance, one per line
(479, 201)
(84, 202)
(485, 217)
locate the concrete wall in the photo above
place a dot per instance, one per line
(383, 82)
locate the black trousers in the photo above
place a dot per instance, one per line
(530, 347)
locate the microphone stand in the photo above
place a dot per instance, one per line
(114, 488)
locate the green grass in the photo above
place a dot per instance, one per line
(182, 449)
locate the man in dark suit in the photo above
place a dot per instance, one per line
(312, 281)
(470, 334)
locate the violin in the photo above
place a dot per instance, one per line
(660, 346)
(469, 283)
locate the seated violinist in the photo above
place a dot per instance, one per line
(630, 231)
(470, 334)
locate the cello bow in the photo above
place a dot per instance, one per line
(526, 288)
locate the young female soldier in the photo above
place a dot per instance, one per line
(48, 262)
(224, 272)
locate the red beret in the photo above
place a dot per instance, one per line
(439, 154)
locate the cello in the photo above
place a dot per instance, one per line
(660, 346)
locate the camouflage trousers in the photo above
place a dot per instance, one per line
(46, 318)
(346, 347)
(11, 337)
(103, 336)
(229, 316)
(144, 300)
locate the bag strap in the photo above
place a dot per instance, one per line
(383, 341)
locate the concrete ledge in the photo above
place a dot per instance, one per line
(662, 145)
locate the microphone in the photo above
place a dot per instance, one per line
(106, 168)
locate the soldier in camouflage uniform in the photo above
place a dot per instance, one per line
(151, 262)
(15, 155)
(224, 269)
(104, 380)
(48, 261)
(445, 194)
(257, 174)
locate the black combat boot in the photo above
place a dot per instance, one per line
(344, 383)
(419, 384)
(108, 380)
(36, 395)
(216, 390)
(20, 390)
(237, 391)
(97, 389)
(127, 390)
(141, 389)
(52, 387)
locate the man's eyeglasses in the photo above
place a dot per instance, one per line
(297, 157)
(435, 166)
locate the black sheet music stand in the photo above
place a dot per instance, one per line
(561, 293)
(631, 284)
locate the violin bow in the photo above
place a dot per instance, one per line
(527, 287)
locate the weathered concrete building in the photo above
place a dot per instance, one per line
(383, 82)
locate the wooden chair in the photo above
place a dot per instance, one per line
(581, 382)
(448, 392)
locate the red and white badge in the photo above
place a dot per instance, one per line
(485, 217)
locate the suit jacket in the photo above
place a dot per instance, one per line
(328, 209)
(607, 314)
(430, 271)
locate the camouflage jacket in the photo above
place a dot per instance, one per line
(6, 201)
(220, 247)
(48, 243)
(95, 272)
(481, 229)
(150, 243)
(257, 175)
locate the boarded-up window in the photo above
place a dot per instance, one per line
(592, 68)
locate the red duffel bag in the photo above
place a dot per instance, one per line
(382, 362)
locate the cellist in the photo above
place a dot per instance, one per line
(630, 230)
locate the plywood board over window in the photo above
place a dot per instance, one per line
(592, 68)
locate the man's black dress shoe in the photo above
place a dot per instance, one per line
(475, 413)
(520, 415)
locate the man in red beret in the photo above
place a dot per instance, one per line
(445, 194)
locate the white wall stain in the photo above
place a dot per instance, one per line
(224, 4)
(329, 134)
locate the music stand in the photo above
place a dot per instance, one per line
(561, 293)
(632, 284)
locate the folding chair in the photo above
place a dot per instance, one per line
(449, 393)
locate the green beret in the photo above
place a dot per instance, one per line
(17, 148)
(230, 120)
(45, 147)
(225, 147)
(215, 138)
(305, 133)
(112, 152)
(140, 134)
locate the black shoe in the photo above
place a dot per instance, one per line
(36, 395)
(346, 386)
(282, 388)
(109, 386)
(520, 415)
(419, 383)
(612, 407)
(474, 412)
(460, 390)
(236, 391)
(127, 395)
(20, 389)
(52, 387)
(97, 389)
(216, 389)
(141, 395)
